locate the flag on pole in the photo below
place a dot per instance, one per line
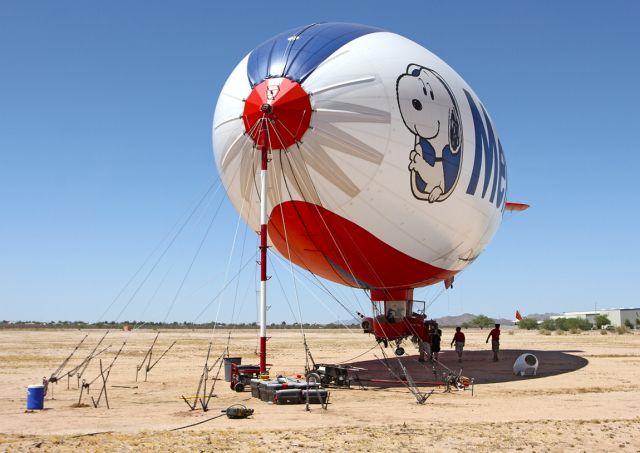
(518, 316)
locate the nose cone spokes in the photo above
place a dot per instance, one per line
(283, 106)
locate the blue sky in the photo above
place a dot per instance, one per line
(105, 145)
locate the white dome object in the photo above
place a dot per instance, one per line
(526, 365)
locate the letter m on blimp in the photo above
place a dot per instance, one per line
(487, 151)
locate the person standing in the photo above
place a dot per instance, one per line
(391, 316)
(495, 341)
(424, 345)
(435, 343)
(458, 339)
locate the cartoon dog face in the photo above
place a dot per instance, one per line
(429, 110)
(424, 102)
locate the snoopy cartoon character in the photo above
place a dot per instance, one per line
(430, 111)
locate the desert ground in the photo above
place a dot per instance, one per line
(586, 396)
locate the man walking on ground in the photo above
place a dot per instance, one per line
(458, 339)
(495, 341)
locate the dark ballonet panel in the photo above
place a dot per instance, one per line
(296, 53)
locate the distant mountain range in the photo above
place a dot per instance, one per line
(468, 317)
(450, 321)
(458, 320)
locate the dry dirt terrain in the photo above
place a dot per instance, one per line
(586, 396)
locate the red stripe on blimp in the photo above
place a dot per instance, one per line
(339, 250)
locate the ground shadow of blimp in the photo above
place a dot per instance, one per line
(475, 364)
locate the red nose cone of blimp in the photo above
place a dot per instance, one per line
(283, 107)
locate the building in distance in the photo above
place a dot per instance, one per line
(617, 316)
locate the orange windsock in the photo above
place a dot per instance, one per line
(518, 316)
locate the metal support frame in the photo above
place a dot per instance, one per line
(205, 397)
(148, 357)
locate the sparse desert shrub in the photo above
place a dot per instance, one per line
(528, 323)
(544, 332)
(603, 332)
(548, 324)
(622, 330)
(575, 331)
(560, 332)
(511, 332)
(572, 323)
(602, 320)
(482, 321)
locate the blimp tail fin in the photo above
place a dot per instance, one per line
(511, 207)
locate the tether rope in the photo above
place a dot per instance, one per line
(247, 137)
(235, 234)
(295, 286)
(144, 280)
(156, 248)
(193, 260)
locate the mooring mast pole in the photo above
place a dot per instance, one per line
(266, 108)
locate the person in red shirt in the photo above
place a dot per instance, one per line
(458, 339)
(424, 345)
(495, 341)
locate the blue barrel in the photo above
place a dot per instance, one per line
(35, 397)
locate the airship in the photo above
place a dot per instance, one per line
(365, 159)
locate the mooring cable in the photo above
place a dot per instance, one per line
(246, 139)
(196, 424)
(166, 249)
(360, 355)
(157, 247)
(193, 260)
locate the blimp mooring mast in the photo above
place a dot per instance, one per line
(276, 115)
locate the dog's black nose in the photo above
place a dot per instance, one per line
(416, 104)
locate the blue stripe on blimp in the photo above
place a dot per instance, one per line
(296, 53)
